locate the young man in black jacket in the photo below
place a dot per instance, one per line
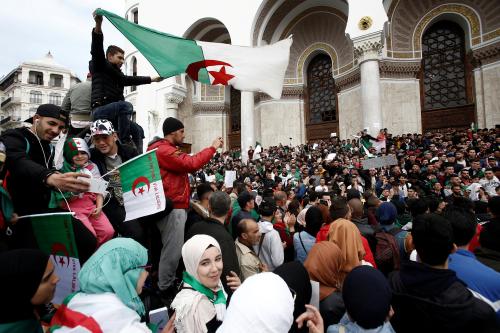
(427, 296)
(31, 175)
(107, 98)
(108, 154)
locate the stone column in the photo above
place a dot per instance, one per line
(173, 98)
(367, 49)
(247, 123)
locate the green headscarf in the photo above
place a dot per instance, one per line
(115, 267)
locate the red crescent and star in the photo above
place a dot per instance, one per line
(220, 77)
(137, 181)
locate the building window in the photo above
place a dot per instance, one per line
(134, 72)
(321, 90)
(135, 16)
(55, 98)
(32, 111)
(35, 78)
(235, 110)
(443, 54)
(56, 80)
(35, 97)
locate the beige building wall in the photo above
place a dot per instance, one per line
(401, 112)
(280, 121)
(487, 86)
(350, 115)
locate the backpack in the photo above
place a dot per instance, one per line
(386, 254)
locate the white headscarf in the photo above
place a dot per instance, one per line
(193, 250)
(263, 303)
(193, 309)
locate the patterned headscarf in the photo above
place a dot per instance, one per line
(115, 267)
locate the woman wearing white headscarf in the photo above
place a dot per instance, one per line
(201, 304)
(263, 303)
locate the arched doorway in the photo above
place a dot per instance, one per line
(320, 99)
(446, 80)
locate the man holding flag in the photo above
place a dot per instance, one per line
(174, 168)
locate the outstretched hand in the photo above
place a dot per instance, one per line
(98, 21)
(69, 182)
(313, 320)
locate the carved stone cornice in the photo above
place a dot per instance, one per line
(175, 95)
(289, 92)
(348, 80)
(368, 47)
(399, 69)
(210, 108)
(486, 55)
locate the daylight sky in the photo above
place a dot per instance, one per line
(31, 28)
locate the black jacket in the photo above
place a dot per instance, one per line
(215, 229)
(427, 299)
(29, 162)
(107, 79)
(124, 151)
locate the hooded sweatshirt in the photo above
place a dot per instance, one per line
(270, 249)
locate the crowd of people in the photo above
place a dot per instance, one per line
(308, 238)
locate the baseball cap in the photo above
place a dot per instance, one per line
(101, 127)
(52, 111)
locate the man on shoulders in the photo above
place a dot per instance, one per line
(174, 168)
(108, 81)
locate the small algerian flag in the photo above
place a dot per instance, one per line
(54, 235)
(142, 186)
(245, 68)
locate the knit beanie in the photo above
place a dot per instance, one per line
(171, 125)
(386, 213)
(367, 296)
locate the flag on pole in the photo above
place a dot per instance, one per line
(142, 186)
(54, 235)
(245, 68)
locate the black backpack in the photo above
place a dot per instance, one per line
(387, 256)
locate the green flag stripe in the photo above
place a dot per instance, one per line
(140, 171)
(168, 54)
(54, 234)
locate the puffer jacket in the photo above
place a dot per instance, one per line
(174, 168)
(107, 79)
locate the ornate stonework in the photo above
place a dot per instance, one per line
(313, 49)
(465, 11)
(368, 47)
(399, 70)
(486, 55)
(349, 80)
(210, 108)
(289, 92)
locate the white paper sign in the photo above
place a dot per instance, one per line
(330, 156)
(159, 317)
(210, 179)
(229, 178)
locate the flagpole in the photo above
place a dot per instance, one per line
(131, 160)
(46, 214)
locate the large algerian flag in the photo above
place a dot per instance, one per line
(245, 68)
(54, 235)
(142, 186)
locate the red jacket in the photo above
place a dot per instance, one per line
(174, 168)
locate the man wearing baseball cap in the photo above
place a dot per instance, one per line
(31, 175)
(174, 168)
(108, 153)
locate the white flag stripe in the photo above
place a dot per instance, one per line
(144, 202)
(254, 69)
(67, 269)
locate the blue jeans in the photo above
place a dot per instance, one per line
(120, 114)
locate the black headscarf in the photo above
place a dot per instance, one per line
(297, 279)
(21, 272)
(314, 220)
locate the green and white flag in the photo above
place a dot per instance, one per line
(54, 235)
(245, 68)
(142, 186)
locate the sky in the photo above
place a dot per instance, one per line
(31, 28)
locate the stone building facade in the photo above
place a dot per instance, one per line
(409, 66)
